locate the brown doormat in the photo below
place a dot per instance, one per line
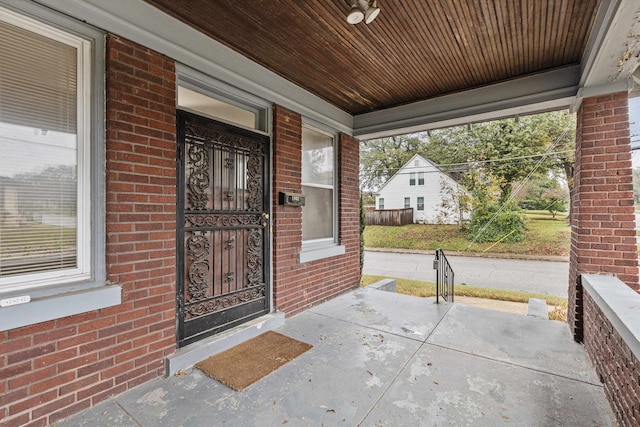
(246, 363)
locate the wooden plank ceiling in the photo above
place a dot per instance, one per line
(414, 50)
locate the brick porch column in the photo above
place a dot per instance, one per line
(603, 223)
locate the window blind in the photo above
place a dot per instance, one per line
(317, 185)
(38, 142)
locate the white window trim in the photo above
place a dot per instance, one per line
(52, 299)
(24, 282)
(316, 249)
(206, 85)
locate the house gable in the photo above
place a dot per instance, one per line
(421, 181)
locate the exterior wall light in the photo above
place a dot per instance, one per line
(363, 10)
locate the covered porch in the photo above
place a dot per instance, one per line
(381, 358)
(378, 358)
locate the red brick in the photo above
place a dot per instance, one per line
(12, 345)
(30, 353)
(32, 402)
(31, 377)
(14, 396)
(95, 367)
(291, 278)
(95, 389)
(41, 422)
(601, 189)
(19, 421)
(73, 364)
(68, 411)
(31, 330)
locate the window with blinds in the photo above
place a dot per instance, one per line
(318, 185)
(44, 166)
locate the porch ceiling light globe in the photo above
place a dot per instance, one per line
(355, 15)
(372, 13)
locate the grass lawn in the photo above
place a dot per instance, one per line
(32, 238)
(428, 289)
(544, 236)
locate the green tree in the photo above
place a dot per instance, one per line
(636, 185)
(363, 223)
(455, 202)
(542, 193)
(556, 201)
(509, 148)
(559, 128)
(381, 158)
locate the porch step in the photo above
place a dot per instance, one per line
(187, 357)
(388, 285)
(538, 308)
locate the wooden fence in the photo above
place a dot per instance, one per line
(389, 216)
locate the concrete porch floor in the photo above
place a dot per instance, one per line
(386, 359)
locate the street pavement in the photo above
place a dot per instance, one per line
(544, 277)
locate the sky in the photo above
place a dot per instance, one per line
(21, 146)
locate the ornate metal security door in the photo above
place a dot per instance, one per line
(223, 227)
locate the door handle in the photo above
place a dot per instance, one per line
(265, 215)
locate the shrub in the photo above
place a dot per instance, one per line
(508, 225)
(363, 223)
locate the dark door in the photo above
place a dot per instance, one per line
(223, 227)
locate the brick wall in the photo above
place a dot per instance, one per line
(616, 365)
(603, 223)
(50, 370)
(300, 286)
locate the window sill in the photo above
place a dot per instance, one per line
(320, 253)
(57, 306)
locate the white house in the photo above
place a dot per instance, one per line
(419, 185)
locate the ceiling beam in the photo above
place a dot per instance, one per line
(550, 90)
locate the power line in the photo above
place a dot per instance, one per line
(516, 191)
(444, 167)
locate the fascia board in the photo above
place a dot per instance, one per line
(612, 50)
(545, 91)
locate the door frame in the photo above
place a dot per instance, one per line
(180, 220)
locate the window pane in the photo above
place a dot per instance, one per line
(407, 202)
(317, 158)
(420, 203)
(381, 203)
(38, 142)
(317, 214)
(212, 107)
(421, 178)
(412, 178)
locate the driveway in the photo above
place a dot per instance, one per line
(544, 277)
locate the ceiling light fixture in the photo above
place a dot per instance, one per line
(363, 10)
(356, 15)
(371, 12)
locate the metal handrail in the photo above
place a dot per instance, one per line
(444, 277)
